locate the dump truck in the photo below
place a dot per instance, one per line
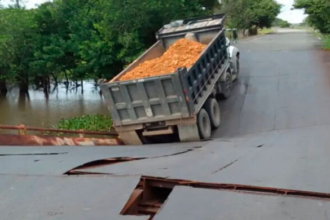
(182, 104)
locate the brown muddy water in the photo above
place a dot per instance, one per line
(36, 110)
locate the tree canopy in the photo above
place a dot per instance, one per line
(318, 13)
(281, 23)
(72, 40)
(244, 14)
(79, 39)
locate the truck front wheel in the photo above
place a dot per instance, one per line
(237, 68)
(226, 86)
(204, 124)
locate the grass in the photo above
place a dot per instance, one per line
(326, 42)
(86, 122)
(325, 38)
(265, 31)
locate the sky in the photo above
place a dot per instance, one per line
(28, 4)
(292, 16)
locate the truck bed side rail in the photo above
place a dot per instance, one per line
(205, 72)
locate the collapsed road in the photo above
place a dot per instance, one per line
(268, 160)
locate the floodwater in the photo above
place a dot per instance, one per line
(36, 110)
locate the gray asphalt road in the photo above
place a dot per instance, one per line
(276, 155)
(237, 206)
(283, 85)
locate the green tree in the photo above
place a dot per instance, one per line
(245, 14)
(128, 27)
(281, 23)
(80, 39)
(210, 4)
(16, 45)
(318, 13)
(264, 12)
(237, 14)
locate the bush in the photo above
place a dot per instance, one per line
(86, 122)
(326, 42)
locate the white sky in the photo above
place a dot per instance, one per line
(28, 3)
(293, 16)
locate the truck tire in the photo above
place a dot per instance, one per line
(237, 68)
(226, 86)
(204, 124)
(212, 108)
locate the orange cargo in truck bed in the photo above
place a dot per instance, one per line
(183, 53)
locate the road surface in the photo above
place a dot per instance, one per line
(284, 84)
(271, 161)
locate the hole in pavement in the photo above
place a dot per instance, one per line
(147, 198)
(103, 162)
(152, 192)
(259, 146)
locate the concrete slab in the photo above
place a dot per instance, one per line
(195, 204)
(58, 160)
(67, 198)
(292, 159)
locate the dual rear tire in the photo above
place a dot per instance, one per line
(208, 118)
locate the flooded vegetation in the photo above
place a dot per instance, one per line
(36, 108)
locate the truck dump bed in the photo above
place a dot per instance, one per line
(175, 95)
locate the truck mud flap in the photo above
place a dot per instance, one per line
(188, 133)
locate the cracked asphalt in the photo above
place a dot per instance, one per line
(274, 135)
(283, 84)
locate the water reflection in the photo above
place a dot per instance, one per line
(37, 108)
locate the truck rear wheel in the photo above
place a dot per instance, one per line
(204, 124)
(212, 108)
